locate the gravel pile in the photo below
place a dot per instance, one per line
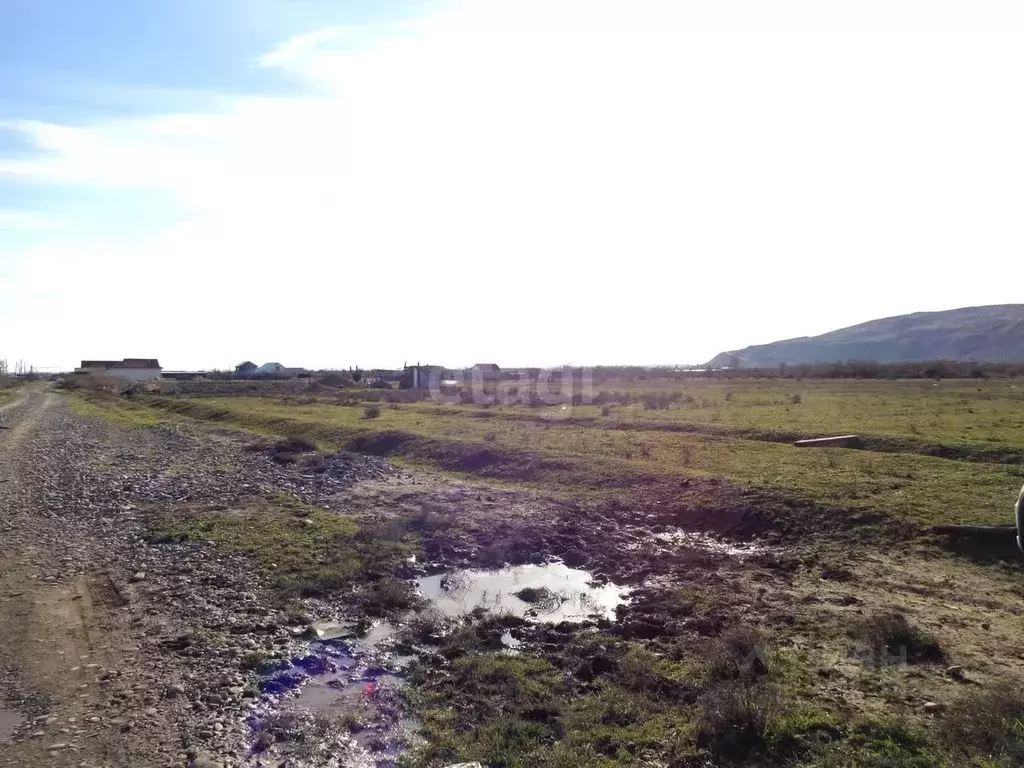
(173, 465)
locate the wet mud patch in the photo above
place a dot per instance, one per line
(10, 722)
(336, 703)
(677, 538)
(341, 699)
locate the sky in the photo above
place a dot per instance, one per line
(332, 183)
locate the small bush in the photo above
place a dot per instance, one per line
(606, 410)
(892, 633)
(94, 382)
(371, 412)
(426, 627)
(738, 653)
(316, 464)
(336, 379)
(294, 445)
(990, 722)
(796, 399)
(734, 718)
(656, 401)
(389, 595)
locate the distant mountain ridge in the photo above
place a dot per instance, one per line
(970, 334)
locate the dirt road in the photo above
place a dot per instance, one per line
(115, 651)
(68, 643)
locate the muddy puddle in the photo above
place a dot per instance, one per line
(10, 721)
(347, 691)
(552, 592)
(345, 687)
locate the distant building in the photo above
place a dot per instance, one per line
(277, 370)
(130, 369)
(486, 371)
(422, 376)
(387, 375)
(245, 369)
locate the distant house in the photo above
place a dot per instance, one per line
(422, 376)
(486, 371)
(130, 369)
(276, 370)
(246, 369)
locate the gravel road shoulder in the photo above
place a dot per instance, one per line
(115, 650)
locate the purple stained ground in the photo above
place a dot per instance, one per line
(332, 677)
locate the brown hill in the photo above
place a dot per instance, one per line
(993, 333)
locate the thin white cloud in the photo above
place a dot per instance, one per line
(14, 220)
(666, 180)
(295, 53)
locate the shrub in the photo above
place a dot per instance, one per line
(606, 410)
(371, 412)
(94, 382)
(796, 399)
(336, 379)
(892, 633)
(388, 596)
(738, 653)
(734, 717)
(990, 722)
(656, 401)
(425, 627)
(316, 464)
(294, 445)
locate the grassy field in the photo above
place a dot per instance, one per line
(587, 452)
(8, 391)
(948, 411)
(853, 567)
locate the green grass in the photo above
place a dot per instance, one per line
(579, 458)
(120, 411)
(9, 389)
(304, 550)
(954, 411)
(643, 709)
